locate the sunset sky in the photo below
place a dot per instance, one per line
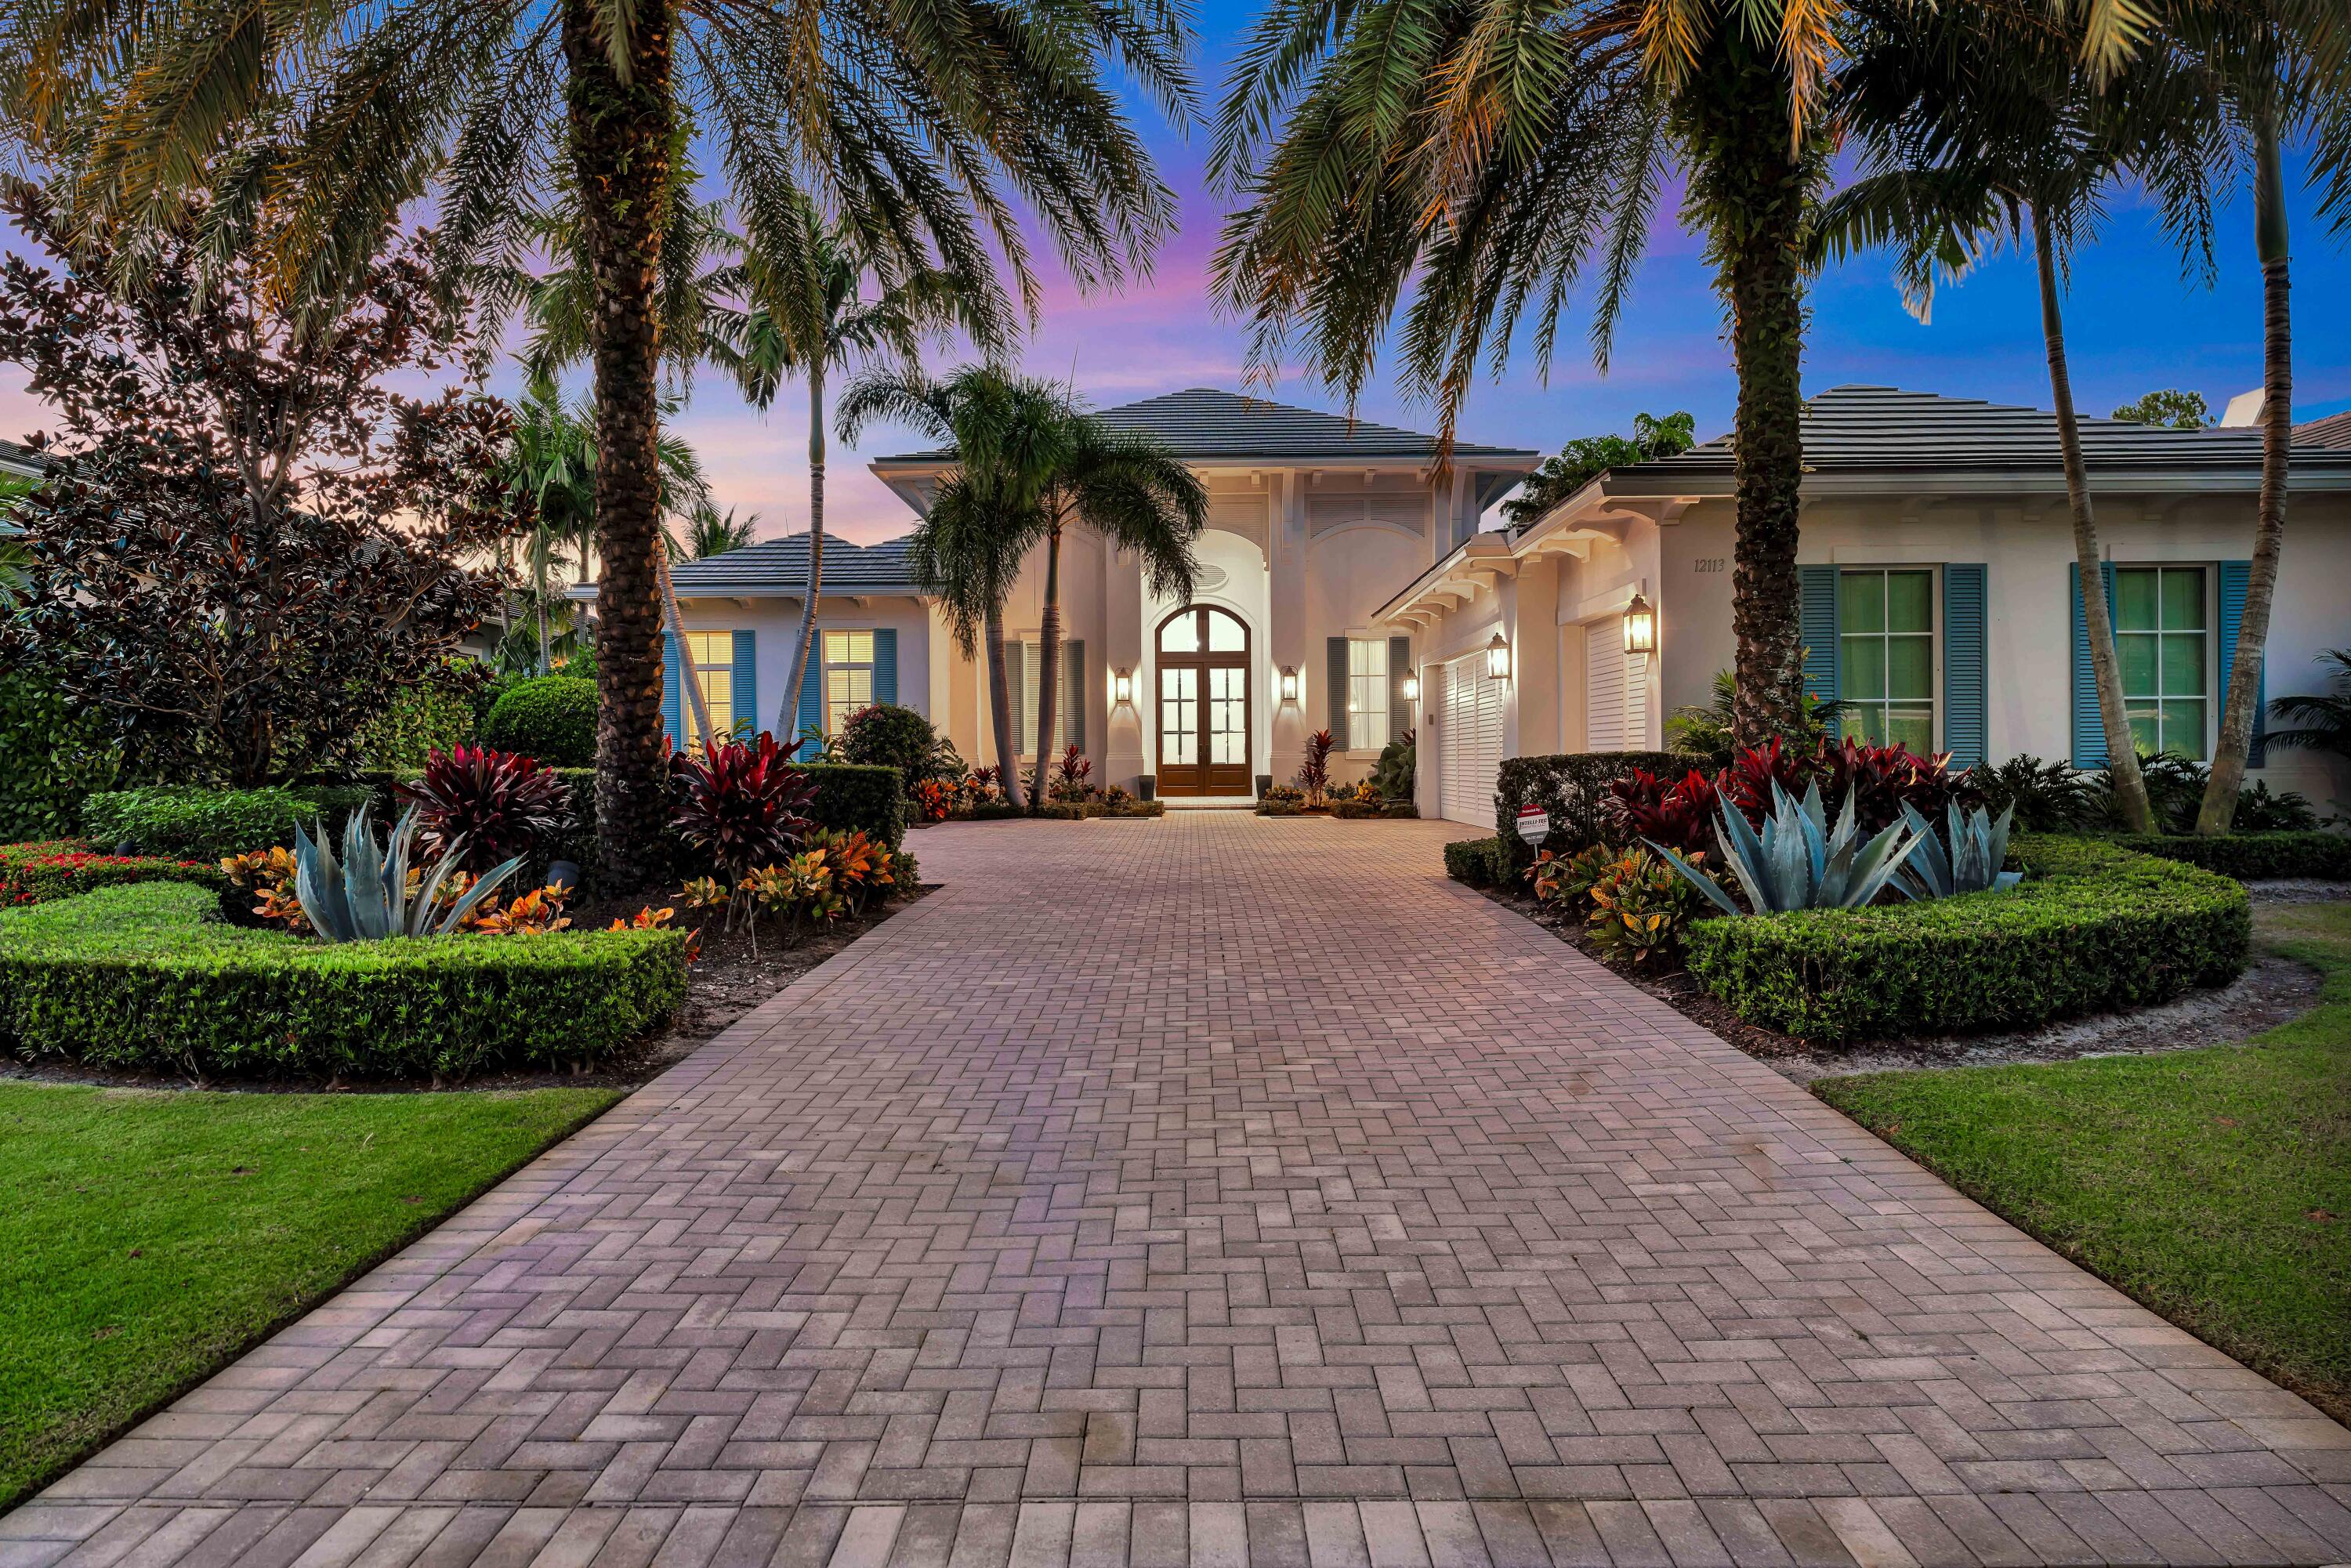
(2135, 324)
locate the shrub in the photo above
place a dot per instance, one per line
(189, 821)
(551, 717)
(1884, 778)
(67, 868)
(1641, 907)
(2047, 797)
(50, 759)
(1478, 863)
(1314, 772)
(1573, 788)
(2093, 926)
(2254, 857)
(2259, 811)
(741, 807)
(1399, 762)
(888, 736)
(852, 797)
(1680, 814)
(144, 978)
(500, 804)
(421, 720)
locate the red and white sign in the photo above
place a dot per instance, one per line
(1534, 824)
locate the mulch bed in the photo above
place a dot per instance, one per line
(729, 978)
(2271, 991)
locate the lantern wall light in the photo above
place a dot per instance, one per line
(1412, 688)
(1289, 683)
(1640, 627)
(1498, 658)
(1121, 688)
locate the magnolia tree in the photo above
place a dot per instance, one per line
(247, 544)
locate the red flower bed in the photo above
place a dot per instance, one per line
(61, 868)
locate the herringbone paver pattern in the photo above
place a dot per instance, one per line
(1216, 1190)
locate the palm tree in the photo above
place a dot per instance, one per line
(553, 461)
(2320, 723)
(967, 551)
(1986, 128)
(925, 128)
(709, 532)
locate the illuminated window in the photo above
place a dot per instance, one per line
(712, 656)
(1885, 657)
(848, 676)
(1367, 692)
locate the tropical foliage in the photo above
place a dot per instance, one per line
(1587, 457)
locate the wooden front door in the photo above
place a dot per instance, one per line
(1203, 659)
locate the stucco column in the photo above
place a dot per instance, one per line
(1121, 601)
(1531, 608)
(1286, 615)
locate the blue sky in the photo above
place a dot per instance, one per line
(2133, 324)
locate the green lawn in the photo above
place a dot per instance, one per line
(2213, 1185)
(147, 1237)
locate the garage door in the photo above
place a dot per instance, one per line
(1469, 741)
(1615, 692)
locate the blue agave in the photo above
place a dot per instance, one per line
(1978, 847)
(363, 897)
(1797, 862)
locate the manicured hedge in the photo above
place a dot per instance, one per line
(149, 976)
(1479, 862)
(67, 868)
(1574, 788)
(192, 823)
(551, 718)
(851, 795)
(2254, 857)
(2093, 926)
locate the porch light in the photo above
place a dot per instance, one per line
(1289, 683)
(1640, 627)
(1121, 688)
(1412, 688)
(1497, 659)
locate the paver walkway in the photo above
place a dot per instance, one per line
(1221, 1188)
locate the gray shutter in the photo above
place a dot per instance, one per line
(1816, 596)
(1964, 715)
(1073, 691)
(2236, 577)
(1015, 677)
(1337, 704)
(1399, 667)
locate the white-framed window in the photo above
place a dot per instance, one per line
(711, 656)
(1367, 692)
(2163, 643)
(1885, 655)
(848, 676)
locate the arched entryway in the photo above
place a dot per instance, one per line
(1202, 655)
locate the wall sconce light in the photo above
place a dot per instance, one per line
(1289, 683)
(1412, 688)
(1121, 688)
(1640, 627)
(1498, 658)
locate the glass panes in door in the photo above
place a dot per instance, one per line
(2162, 644)
(1227, 714)
(1886, 656)
(1179, 716)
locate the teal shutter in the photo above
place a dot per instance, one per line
(746, 685)
(1965, 724)
(1816, 595)
(672, 698)
(1336, 667)
(811, 714)
(2089, 728)
(885, 664)
(2234, 577)
(1399, 667)
(1074, 692)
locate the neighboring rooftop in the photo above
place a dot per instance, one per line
(2334, 430)
(1885, 430)
(19, 459)
(773, 565)
(1202, 422)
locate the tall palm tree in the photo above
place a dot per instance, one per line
(710, 532)
(927, 128)
(967, 551)
(1977, 129)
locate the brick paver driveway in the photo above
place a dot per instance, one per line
(1227, 1189)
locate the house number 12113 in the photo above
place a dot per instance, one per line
(1709, 563)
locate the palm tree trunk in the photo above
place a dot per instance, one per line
(2239, 712)
(2122, 752)
(538, 573)
(689, 679)
(999, 703)
(621, 128)
(807, 643)
(1049, 657)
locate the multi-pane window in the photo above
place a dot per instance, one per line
(2163, 644)
(1367, 692)
(712, 655)
(848, 676)
(1886, 656)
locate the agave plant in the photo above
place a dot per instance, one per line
(1798, 863)
(1977, 848)
(364, 896)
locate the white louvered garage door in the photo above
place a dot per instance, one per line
(1615, 692)
(1469, 741)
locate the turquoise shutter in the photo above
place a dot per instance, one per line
(2234, 577)
(2089, 728)
(1964, 719)
(673, 699)
(885, 664)
(746, 685)
(1816, 596)
(811, 714)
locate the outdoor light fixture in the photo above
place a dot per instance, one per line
(1412, 688)
(1121, 688)
(1289, 683)
(1640, 627)
(1497, 659)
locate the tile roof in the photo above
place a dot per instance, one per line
(1885, 430)
(1204, 423)
(23, 459)
(2334, 430)
(777, 565)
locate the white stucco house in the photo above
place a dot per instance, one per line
(1346, 583)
